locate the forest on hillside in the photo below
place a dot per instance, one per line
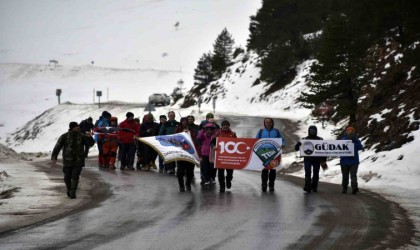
(366, 59)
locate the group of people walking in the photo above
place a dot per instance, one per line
(117, 142)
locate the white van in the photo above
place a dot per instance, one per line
(162, 99)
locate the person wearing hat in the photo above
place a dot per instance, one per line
(110, 141)
(206, 136)
(128, 129)
(350, 164)
(311, 163)
(209, 118)
(72, 143)
(225, 131)
(86, 127)
(102, 122)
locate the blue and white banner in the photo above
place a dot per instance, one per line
(325, 148)
(176, 147)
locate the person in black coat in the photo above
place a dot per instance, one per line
(149, 128)
(311, 163)
(86, 127)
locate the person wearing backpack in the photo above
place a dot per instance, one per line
(269, 132)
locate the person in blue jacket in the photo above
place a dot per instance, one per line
(350, 164)
(269, 132)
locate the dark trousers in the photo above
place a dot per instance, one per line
(187, 169)
(128, 151)
(86, 150)
(161, 165)
(149, 154)
(71, 173)
(309, 166)
(207, 168)
(268, 175)
(100, 154)
(221, 176)
(346, 171)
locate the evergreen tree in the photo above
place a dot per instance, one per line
(338, 75)
(204, 72)
(222, 52)
(276, 34)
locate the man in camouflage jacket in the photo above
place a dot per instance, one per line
(72, 143)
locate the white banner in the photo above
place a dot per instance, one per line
(325, 148)
(176, 147)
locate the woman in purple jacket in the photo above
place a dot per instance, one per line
(206, 135)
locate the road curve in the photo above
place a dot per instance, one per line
(144, 210)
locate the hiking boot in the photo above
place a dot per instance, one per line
(228, 184)
(355, 190)
(74, 184)
(344, 191)
(188, 187)
(153, 165)
(264, 187)
(147, 167)
(181, 189)
(271, 189)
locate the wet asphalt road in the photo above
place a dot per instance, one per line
(144, 210)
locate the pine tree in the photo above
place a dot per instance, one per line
(204, 72)
(222, 52)
(338, 75)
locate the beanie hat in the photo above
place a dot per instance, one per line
(312, 130)
(209, 115)
(72, 125)
(162, 116)
(106, 114)
(90, 119)
(129, 114)
(350, 129)
(225, 122)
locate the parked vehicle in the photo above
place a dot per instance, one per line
(162, 99)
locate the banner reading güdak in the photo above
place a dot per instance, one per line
(248, 153)
(326, 148)
(175, 147)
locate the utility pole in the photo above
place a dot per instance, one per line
(58, 94)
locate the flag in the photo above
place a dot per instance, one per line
(175, 147)
(248, 153)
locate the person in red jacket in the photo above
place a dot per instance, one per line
(110, 139)
(128, 130)
(225, 132)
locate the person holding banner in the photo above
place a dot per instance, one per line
(128, 130)
(148, 128)
(350, 164)
(184, 167)
(269, 132)
(311, 184)
(225, 132)
(206, 135)
(168, 128)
